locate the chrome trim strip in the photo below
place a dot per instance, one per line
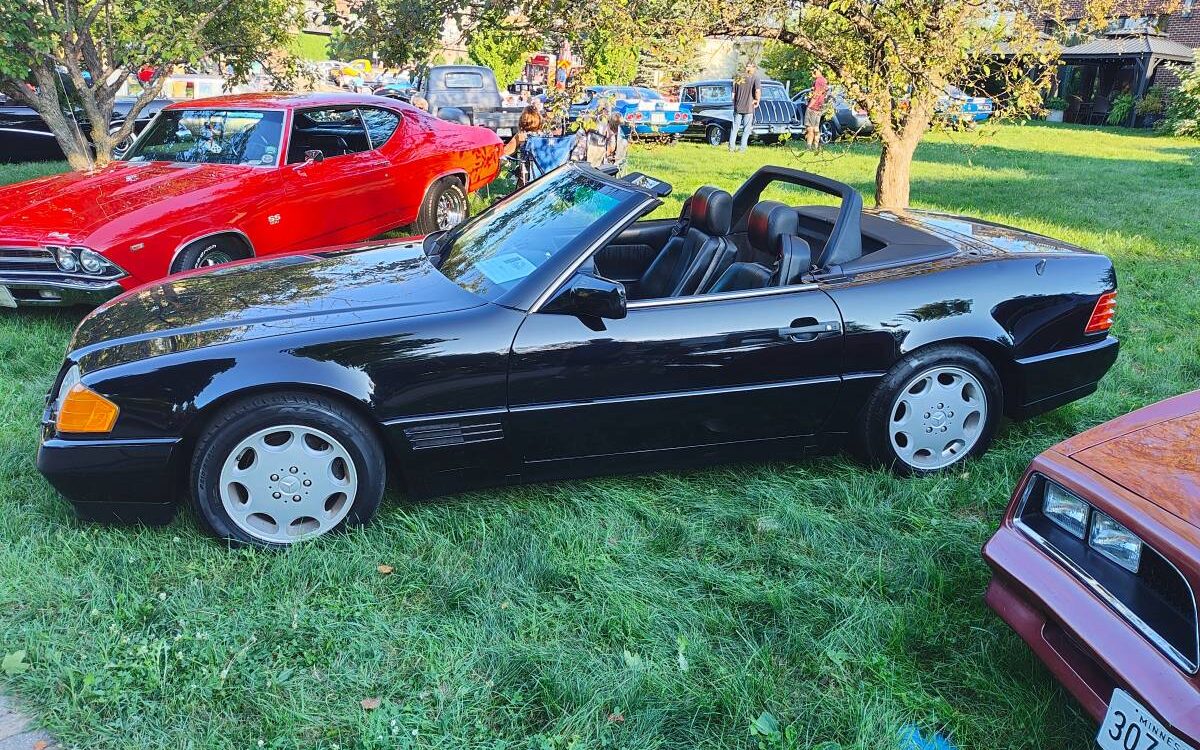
(1149, 633)
(587, 253)
(720, 296)
(444, 416)
(676, 394)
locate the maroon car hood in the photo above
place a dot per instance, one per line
(68, 207)
(1152, 451)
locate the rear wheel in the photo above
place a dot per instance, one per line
(280, 468)
(209, 252)
(444, 207)
(933, 409)
(715, 135)
(827, 133)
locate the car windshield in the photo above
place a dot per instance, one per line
(511, 240)
(211, 136)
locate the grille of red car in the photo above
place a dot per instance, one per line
(26, 259)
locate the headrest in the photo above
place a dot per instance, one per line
(712, 211)
(795, 259)
(768, 220)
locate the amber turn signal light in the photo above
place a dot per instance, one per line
(84, 410)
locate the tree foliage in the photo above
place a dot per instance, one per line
(895, 57)
(88, 49)
(501, 49)
(1183, 109)
(789, 64)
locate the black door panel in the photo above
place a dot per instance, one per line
(632, 252)
(674, 375)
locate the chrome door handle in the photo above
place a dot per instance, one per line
(803, 330)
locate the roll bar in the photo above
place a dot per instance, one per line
(845, 241)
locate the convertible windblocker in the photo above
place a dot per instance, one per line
(561, 333)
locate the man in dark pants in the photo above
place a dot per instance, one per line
(747, 90)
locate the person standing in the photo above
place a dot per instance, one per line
(747, 91)
(815, 109)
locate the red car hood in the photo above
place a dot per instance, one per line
(1151, 451)
(69, 207)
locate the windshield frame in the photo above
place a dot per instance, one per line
(286, 125)
(528, 294)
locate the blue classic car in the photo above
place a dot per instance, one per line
(644, 111)
(957, 104)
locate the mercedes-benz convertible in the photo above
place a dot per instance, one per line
(562, 333)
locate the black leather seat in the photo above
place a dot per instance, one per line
(699, 255)
(769, 223)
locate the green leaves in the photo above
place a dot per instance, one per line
(765, 725)
(14, 664)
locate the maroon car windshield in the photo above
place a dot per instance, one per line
(211, 136)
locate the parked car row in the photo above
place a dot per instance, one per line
(26, 137)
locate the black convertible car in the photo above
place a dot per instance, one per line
(559, 334)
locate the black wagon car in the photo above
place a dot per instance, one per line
(25, 136)
(562, 333)
(712, 111)
(848, 118)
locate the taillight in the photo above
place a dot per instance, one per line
(633, 116)
(681, 116)
(1102, 314)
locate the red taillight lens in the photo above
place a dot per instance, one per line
(633, 116)
(1102, 314)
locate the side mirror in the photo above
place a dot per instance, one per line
(314, 156)
(589, 296)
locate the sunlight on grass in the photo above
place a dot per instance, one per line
(842, 600)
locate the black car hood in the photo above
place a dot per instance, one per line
(271, 297)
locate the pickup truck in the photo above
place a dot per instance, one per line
(466, 94)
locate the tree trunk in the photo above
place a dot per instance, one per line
(893, 174)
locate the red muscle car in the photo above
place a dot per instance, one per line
(215, 180)
(1096, 564)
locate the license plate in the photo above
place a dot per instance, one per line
(657, 117)
(1128, 726)
(6, 298)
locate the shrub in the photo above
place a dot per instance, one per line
(1153, 103)
(1121, 107)
(1056, 102)
(1183, 113)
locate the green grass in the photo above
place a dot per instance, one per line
(845, 602)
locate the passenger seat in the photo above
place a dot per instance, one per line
(701, 254)
(769, 223)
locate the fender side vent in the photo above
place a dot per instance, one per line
(444, 434)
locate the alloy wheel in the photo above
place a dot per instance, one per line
(286, 483)
(451, 209)
(938, 417)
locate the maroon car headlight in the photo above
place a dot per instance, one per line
(1133, 578)
(85, 260)
(66, 259)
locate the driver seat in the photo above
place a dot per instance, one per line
(700, 254)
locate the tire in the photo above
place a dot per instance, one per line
(826, 133)
(444, 206)
(715, 135)
(209, 252)
(935, 408)
(240, 495)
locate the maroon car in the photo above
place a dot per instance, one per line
(1096, 563)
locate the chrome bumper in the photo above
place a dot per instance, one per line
(46, 289)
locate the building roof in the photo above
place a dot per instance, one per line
(1127, 45)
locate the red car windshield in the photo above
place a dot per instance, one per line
(211, 136)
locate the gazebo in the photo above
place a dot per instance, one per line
(1110, 65)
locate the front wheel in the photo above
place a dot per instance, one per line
(715, 135)
(444, 207)
(275, 469)
(214, 251)
(826, 133)
(933, 409)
